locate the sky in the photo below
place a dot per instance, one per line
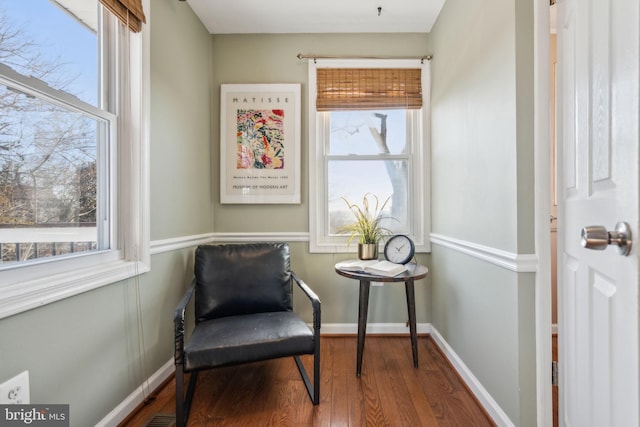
(60, 37)
(350, 135)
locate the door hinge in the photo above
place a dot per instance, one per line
(554, 373)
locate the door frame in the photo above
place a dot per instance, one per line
(542, 236)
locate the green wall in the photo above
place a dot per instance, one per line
(272, 58)
(181, 182)
(483, 193)
(86, 350)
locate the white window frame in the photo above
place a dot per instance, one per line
(33, 284)
(419, 217)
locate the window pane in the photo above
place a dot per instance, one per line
(352, 179)
(352, 132)
(48, 176)
(49, 154)
(54, 41)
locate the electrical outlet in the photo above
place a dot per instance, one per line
(16, 390)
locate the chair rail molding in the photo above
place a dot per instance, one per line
(177, 243)
(183, 242)
(292, 236)
(520, 263)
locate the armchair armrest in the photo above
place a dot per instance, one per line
(178, 323)
(315, 301)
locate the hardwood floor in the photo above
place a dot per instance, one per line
(390, 391)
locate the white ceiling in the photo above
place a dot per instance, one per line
(318, 16)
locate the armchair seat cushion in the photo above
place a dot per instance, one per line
(247, 338)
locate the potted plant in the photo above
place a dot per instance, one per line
(368, 225)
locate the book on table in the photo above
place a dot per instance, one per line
(373, 267)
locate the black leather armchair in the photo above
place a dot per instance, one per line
(243, 313)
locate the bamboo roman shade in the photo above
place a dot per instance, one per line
(368, 88)
(129, 12)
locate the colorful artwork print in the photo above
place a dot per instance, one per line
(260, 139)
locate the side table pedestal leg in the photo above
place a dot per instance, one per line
(362, 321)
(411, 308)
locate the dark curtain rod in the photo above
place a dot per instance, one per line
(301, 56)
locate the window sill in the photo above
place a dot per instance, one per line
(23, 296)
(338, 248)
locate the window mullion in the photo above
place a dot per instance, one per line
(36, 88)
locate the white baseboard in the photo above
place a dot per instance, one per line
(127, 406)
(372, 328)
(124, 409)
(488, 403)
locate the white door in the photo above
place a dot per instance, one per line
(598, 60)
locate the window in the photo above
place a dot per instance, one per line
(71, 152)
(368, 141)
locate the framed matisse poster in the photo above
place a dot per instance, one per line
(260, 143)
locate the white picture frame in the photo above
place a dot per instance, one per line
(260, 143)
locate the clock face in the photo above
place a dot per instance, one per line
(399, 249)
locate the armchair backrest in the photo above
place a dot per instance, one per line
(242, 279)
